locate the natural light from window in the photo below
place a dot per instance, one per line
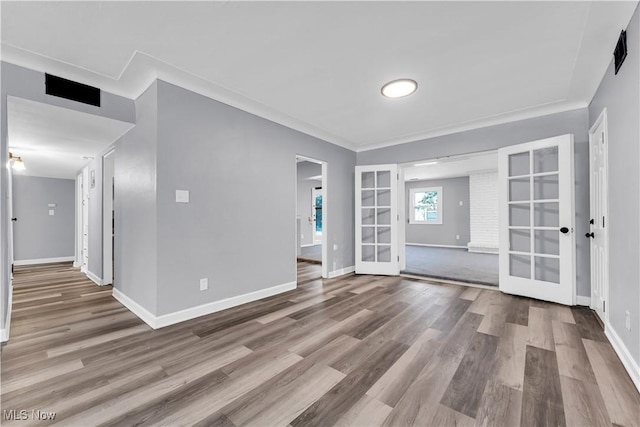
(426, 205)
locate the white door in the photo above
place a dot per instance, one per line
(537, 240)
(316, 212)
(85, 220)
(12, 221)
(377, 220)
(598, 233)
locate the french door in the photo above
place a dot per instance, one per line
(537, 240)
(377, 220)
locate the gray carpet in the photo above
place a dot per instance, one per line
(311, 253)
(452, 264)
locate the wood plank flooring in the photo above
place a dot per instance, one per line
(355, 350)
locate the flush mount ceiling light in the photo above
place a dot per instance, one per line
(18, 164)
(435, 162)
(399, 88)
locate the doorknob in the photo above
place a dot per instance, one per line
(587, 235)
(14, 219)
(592, 221)
(564, 230)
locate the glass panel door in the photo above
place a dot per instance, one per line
(376, 220)
(537, 242)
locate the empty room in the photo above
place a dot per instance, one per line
(320, 213)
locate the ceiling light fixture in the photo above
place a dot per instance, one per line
(18, 164)
(399, 88)
(426, 164)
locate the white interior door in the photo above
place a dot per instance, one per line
(537, 239)
(85, 220)
(598, 233)
(377, 220)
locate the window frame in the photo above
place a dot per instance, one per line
(412, 206)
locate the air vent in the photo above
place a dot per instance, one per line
(63, 88)
(621, 51)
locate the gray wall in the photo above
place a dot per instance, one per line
(455, 221)
(620, 95)
(306, 170)
(29, 84)
(494, 137)
(36, 234)
(184, 141)
(135, 246)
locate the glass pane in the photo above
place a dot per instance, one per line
(368, 180)
(384, 179)
(548, 269)
(384, 234)
(368, 197)
(545, 187)
(546, 214)
(384, 253)
(384, 197)
(519, 215)
(368, 234)
(520, 240)
(368, 253)
(520, 266)
(545, 160)
(368, 216)
(519, 164)
(519, 189)
(547, 242)
(384, 216)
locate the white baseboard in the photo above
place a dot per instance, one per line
(157, 322)
(94, 278)
(436, 246)
(4, 337)
(478, 250)
(623, 353)
(580, 300)
(4, 333)
(308, 245)
(145, 315)
(341, 272)
(43, 260)
(76, 264)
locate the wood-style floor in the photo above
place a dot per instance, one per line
(356, 350)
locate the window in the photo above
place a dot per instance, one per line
(426, 205)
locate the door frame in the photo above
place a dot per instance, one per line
(107, 209)
(79, 183)
(84, 267)
(602, 119)
(314, 192)
(325, 211)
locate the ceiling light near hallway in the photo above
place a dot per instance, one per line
(399, 88)
(18, 164)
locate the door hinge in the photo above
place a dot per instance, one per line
(398, 217)
(398, 176)
(602, 222)
(603, 306)
(398, 257)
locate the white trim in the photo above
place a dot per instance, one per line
(135, 308)
(108, 171)
(623, 354)
(308, 246)
(94, 278)
(435, 280)
(4, 337)
(341, 272)
(4, 333)
(76, 264)
(582, 300)
(479, 249)
(44, 260)
(428, 245)
(157, 322)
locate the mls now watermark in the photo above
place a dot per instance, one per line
(28, 415)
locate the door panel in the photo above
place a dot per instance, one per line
(597, 226)
(377, 220)
(537, 241)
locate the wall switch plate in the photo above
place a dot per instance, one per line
(204, 284)
(461, 203)
(627, 321)
(335, 246)
(457, 237)
(52, 212)
(182, 196)
(52, 205)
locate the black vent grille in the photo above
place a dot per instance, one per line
(63, 88)
(621, 51)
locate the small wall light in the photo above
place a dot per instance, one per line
(18, 163)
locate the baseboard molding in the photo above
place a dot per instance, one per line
(145, 315)
(580, 300)
(623, 353)
(157, 322)
(308, 245)
(4, 337)
(94, 278)
(341, 272)
(4, 333)
(76, 264)
(436, 246)
(43, 260)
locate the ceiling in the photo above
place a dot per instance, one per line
(318, 66)
(452, 167)
(54, 141)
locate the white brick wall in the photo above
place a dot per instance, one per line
(483, 203)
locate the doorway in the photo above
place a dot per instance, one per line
(311, 218)
(108, 225)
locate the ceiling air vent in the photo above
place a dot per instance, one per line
(63, 88)
(621, 51)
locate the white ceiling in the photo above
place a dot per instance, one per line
(319, 66)
(453, 167)
(52, 140)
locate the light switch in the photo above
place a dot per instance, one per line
(52, 205)
(52, 212)
(182, 196)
